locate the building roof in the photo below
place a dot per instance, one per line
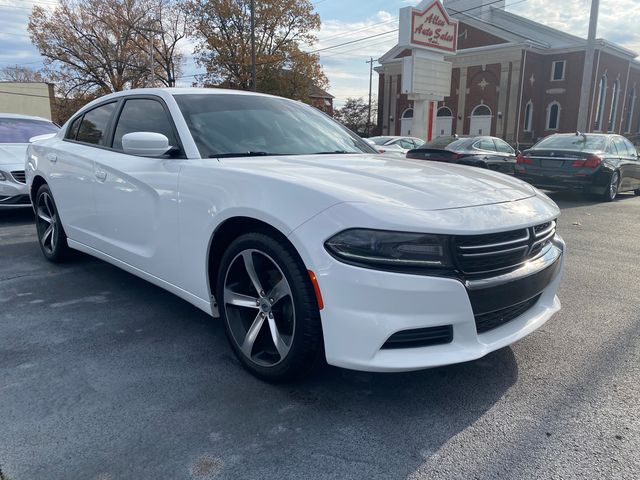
(515, 28)
(317, 92)
(518, 30)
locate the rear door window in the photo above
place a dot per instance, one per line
(93, 128)
(503, 146)
(620, 146)
(633, 152)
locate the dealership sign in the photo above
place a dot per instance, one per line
(431, 27)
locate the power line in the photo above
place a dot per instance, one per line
(25, 94)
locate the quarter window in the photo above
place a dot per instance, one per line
(72, 132)
(143, 115)
(93, 128)
(557, 70)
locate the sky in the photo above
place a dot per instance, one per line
(347, 20)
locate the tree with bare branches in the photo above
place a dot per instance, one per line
(101, 46)
(17, 73)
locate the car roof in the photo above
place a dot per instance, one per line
(169, 92)
(24, 117)
(606, 135)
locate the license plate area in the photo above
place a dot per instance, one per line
(551, 163)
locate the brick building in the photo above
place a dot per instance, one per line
(518, 80)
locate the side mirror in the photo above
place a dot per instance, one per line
(145, 144)
(46, 136)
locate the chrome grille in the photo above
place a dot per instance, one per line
(481, 254)
(19, 176)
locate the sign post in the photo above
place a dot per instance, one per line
(429, 33)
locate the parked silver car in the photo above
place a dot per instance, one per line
(395, 145)
(16, 131)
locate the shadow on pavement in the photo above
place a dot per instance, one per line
(18, 216)
(566, 200)
(104, 366)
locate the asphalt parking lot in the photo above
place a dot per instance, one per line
(104, 376)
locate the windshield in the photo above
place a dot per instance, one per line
(20, 130)
(234, 125)
(574, 142)
(380, 140)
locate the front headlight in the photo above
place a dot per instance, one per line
(390, 250)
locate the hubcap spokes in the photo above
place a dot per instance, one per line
(47, 222)
(613, 187)
(259, 307)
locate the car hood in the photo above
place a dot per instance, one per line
(13, 153)
(404, 183)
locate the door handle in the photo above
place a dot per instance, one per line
(101, 176)
(52, 157)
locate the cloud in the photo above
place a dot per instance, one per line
(617, 20)
(15, 45)
(346, 65)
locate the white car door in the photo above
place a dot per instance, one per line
(71, 172)
(136, 197)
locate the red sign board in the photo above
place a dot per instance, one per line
(433, 28)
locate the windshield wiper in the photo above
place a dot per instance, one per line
(336, 152)
(240, 154)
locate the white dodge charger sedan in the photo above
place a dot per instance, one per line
(298, 234)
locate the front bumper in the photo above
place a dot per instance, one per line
(364, 308)
(13, 194)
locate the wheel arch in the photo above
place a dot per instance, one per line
(36, 183)
(226, 233)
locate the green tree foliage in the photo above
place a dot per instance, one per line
(354, 115)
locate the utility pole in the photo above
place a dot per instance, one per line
(151, 32)
(583, 110)
(253, 46)
(370, 87)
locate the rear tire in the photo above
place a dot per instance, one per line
(269, 308)
(611, 192)
(51, 236)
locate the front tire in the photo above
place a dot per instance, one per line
(269, 308)
(51, 236)
(611, 192)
